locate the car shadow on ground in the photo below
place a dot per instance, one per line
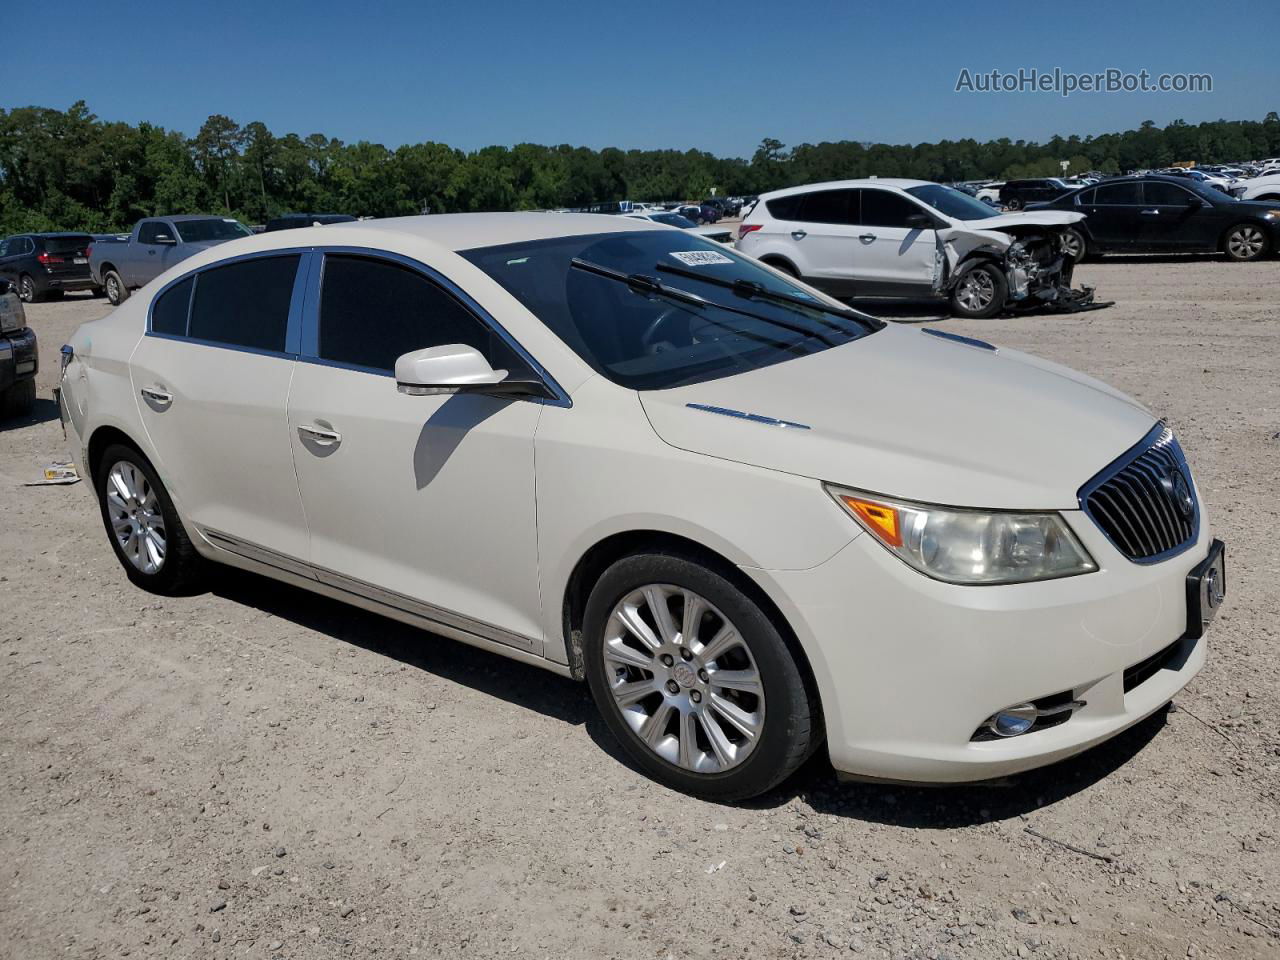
(42, 411)
(1157, 258)
(570, 702)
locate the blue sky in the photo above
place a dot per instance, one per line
(714, 75)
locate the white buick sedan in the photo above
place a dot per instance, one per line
(752, 519)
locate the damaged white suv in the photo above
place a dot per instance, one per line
(912, 238)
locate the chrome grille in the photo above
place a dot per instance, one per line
(1145, 502)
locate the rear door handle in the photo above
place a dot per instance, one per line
(155, 394)
(1151, 213)
(798, 234)
(867, 237)
(320, 435)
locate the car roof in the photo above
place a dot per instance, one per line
(461, 231)
(900, 183)
(183, 217)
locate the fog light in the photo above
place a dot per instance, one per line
(1014, 721)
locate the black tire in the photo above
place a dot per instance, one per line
(117, 292)
(1013, 203)
(18, 400)
(27, 289)
(182, 568)
(963, 306)
(1075, 245)
(792, 726)
(1246, 242)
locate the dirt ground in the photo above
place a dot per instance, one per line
(258, 772)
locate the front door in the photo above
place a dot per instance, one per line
(890, 253)
(211, 380)
(423, 502)
(1175, 219)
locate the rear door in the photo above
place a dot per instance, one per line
(889, 251)
(823, 235)
(211, 379)
(1114, 212)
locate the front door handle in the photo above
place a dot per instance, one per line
(867, 237)
(798, 234)
(321, 436)
(156, 395)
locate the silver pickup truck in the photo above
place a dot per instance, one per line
(123, 264)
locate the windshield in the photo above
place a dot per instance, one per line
(953, 203)
(687, 330)
(673, 220)
(199, 231)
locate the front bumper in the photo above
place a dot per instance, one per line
(18, 357)
(909, 668)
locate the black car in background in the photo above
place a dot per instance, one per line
(1016, 194)
(45, 265)
(1163, 214)
(289, 221)
(19, 356)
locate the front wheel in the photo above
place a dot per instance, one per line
(117, 292)
(980, 293)
(142, 524)
(1245, 242)
(694, 680)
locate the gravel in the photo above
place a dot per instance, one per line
(139, 767)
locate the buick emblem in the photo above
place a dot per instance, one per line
(1181, 491)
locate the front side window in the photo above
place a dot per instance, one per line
(245, 304)
(1161, 194)
(880, 208)
(202, 231)
(154, 232)
(657, 309)
(373, 311)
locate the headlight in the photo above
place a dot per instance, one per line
(970, 546)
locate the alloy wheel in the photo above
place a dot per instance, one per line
(113, 288)
(683, 678)
(26, 290)
(1245, 243)
(1072, 244)
(137, 521)
(976, 291)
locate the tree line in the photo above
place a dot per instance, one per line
(69, 170)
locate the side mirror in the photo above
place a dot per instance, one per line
(458, 368)
(165, 238)
(920, 221)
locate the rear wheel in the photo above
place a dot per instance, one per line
(980, 293)
(694, 679)
(27, 289)
(1013, 203)
(1245, 242)
(1074, 244)
(18, 400)
(117, 292)
(142, 524)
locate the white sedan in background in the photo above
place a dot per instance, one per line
(637, 458)
(712, 231)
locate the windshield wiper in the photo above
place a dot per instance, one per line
(652, 286)
(752, 290)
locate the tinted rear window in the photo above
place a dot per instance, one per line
(1118, 193)
(70, 244)
(245, 304)
(169, 315)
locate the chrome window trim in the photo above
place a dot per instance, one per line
(292, 333)
(309, 350)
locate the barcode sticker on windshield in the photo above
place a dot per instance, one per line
(699, 258)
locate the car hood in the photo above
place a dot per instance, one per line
(912, 415)
(1025, 218)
